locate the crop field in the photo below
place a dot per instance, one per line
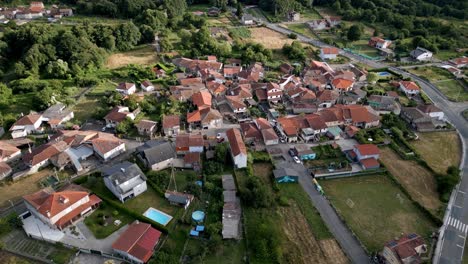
(439, 149)
(418, 181)
(269, 38)
(144, 56)
(376, 210)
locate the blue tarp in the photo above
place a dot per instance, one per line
(200, 228)
(199, 183)
(194, 233)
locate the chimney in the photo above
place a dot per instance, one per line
(122, 169)
(48, 213)
(137, 222)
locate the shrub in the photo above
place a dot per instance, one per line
(292, 36)
(115, 213)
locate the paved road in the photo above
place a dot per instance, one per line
(454, 231)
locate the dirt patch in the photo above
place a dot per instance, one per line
(9, 258)
(418, 181)
(269, 38)
(303, 241)
(333, 252)
(15, 191)
(439, 149)
(143, 56)
(263, 171)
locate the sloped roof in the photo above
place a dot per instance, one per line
(145, 124)
(236, 142)
(201, 99)
(330, 50)
(27, 120)
(125, 86)
(170, 121)
(342, 84)
(6, 150)
(409, 85)
(367, 149)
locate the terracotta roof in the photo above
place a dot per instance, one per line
(210, 115)
(273, 86)
(250, 130)
(409, 85)
(49, 203)
(330, 50)
(7, 150)
(315, 122)
(289, 126)
(430, 108)
(216, 88)
(116, 115)
(269, 134)
(27, 120)
(193, 116)
(236, 102)
(145, 124)
(369, 163)
(262, 123)
(190, 81)
(105, 142)
(342, 84)
(261, 94)
(460, 61)
(192, 157)
(125, 86)
(147, 83)
(405, 246)
(4, 168)
(236, 142)
(202, 99)
(327, 95)
(184, 141)
(232, 70)
(367, 149)
(44, 152)
(138, 240)
(170, 121)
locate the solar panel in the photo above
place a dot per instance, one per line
(412, 236)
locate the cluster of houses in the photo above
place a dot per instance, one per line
(33, 11)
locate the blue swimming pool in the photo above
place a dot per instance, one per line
(158, 216)
(384, 73)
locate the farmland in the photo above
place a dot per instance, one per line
(418, 181)
(269, 38)
(144, 56)
(376, 209)
(448, 148)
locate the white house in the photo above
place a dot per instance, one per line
(126, 88)
(432, 110)
(421, 54)
(247, 19)
(366, 151)
(147, 86)
(57, 115)
(329, 53)
(26, 125)
(237, 147)
(8, 152)
(108, 148)
(125, 180)
(409, 87)
(159, 156)
(236, 104)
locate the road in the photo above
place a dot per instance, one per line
(454, 231)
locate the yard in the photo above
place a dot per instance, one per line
(362, 47)
(439, 149)
(418, 181)
(269, 38)
(143, 55)
(376, 210)
(302, 29)
(101, 221)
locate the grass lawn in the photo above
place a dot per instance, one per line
(142, 55)
(99, 230)
(453, 90)
(418, 181)
(432, 73)
(439, 149)
(230, 252)
(22, 104)
(84, 109)
(302, 29)
(310, 14)
(376, 209)
(61, 255)
(362, 47)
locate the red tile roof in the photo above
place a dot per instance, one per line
(93, 200)
(369, 163)
(262, 123)
(170, 121)
(250, 131)
(236, 102)
(145, 124)
(193, 116)
(367, 149)
(342, 84)
(27, 120)
(330, 50)
(138, 240)
(125, 86)
(236, 142)
(409, 85)
(184, 141)
(7, 150)
(202, 99)
(190, 81)
(192, 157)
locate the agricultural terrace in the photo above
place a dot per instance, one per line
(376, 209)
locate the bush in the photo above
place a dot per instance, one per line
(292, 36)
(115, 213)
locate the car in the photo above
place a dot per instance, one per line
(218, 136)
(291, 152)
(282, 140)
(296, 159)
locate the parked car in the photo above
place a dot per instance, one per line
(291, 152)
(282, 140)
(296, 159)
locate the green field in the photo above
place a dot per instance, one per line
(376, 210)
(93, 222)
(302, 29)
(453, 90)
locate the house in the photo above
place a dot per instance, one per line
(178, 198)
(274, 92)
(421, 54)
(231, 72)
(5, 170)
(146, 127)
(318, 24)
(288, 127)
(59, 209)
(201, 99)
(57, 115)
(192, 160)
(158, 156)
(186, 143)
(379, 43)
(117, 115)
(304, 152)
(433, 111)
(247, 19)
(236, 103)
(329, 53)
(406, 249)
(409, 88)
(8, 152)
(367, 155)
(419, 120)
(40, 156)
(286, 68)
(26, 125)
(215, 88)
(28, 14)
(126, 88)
(237, 147)
(136, 244)
(251, 133)
(342, 85)
(293, 16)
(285, 175)
(107, 146)
(65, 12)
(125, 180)
(171, 125)
(459, 62)
(327, 98)
(147, 86)
(206, 118)
(384, 104)
(269, 135)
(36, 6)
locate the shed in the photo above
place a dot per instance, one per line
(285, 175)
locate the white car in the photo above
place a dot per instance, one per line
(296, 159)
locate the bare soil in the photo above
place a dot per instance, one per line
(143, 56)
(269, 38)
(305, 248)
(418, 181)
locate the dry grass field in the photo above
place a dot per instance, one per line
(142, 56)
(439, 149)
(269, 38)
(28, 185)
(418, 181)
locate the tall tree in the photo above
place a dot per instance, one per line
(240, 10)
(354, 33)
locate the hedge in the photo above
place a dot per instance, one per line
(395, 73)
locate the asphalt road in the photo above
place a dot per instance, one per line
(454, 231)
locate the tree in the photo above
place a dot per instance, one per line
(221, 152)
(175, 8)
(43, 99)
(57, 69)
(372, 77)
(354, 33)
(127, 36)
(240, 10)
(295, 51)
(124, 126)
